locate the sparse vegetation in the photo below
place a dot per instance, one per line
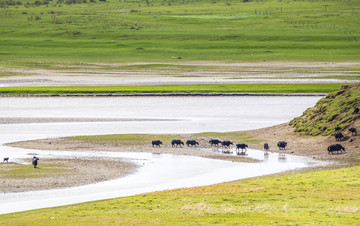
(335, 110)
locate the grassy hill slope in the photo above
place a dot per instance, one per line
(335, 110)
(69, 32)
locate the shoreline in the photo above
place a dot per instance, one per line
(312, 147)
(165, 95)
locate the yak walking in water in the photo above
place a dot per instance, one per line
(242, 147)
(226, 144)
(175, 143)
(156, 143)
(266, 147)
(282, 145)
(335, 147)
(215, 142)
(35, 161)
(192, 143)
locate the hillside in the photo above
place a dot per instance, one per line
(337, 109)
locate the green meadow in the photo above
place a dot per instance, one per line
(326, 197)
(42, 33)
(176, 89)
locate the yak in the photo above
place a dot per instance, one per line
(353, 131)
(226, 144)
(175, 143)
(266, 147)
(192, 143)
(335, 147)
(241, 146)
(282, 145)
(338, 136)
(35, 161)
(6, 159)
(215, 142)
(156, 143)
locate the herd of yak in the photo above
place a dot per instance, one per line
(240, 148)
(281, 144)
(339, 137)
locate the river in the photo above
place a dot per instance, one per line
(36, 118)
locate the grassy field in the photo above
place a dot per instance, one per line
(175, 89)
(43, 33)
(19, 171)
(328, 197)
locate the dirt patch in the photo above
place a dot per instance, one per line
(314, 147)
(73, 172)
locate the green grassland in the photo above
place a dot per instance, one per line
(175, 89)
(327, 197)
(336, 110)
(43, 33)
(27, 171)
(141, 139)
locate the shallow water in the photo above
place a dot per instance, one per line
(157, 172)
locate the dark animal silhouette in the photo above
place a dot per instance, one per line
(226, 144)
(156, 143)
(338, 136)
(353, 131)
(337, 128)
(192, 143)
(176, 143)
(241, 146)
(356, 111)
(35, 161)
(266, 147)
(215, 142)
(6, 159)
(282, 145)
(335, 147)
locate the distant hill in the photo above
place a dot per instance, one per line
(338, 109)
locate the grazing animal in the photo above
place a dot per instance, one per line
(192, 143)
(176, 143)
(156, 143)
(35, 161)
(353, 131)
(226, 144)
(242, 147)
(215, 142)
(282, 145)
(338, 136)
(6, 159)
(337, 128)
(266, 147)
(335, 147)
(356, 111)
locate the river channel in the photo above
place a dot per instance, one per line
(36, 118)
